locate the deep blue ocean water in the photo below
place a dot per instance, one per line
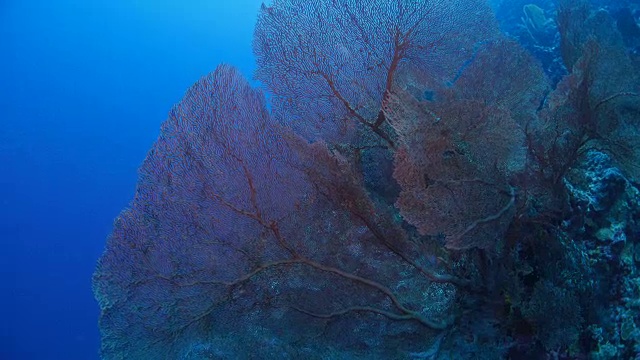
(84, 86)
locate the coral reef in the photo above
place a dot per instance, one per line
(424, 186)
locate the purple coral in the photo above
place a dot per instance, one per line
(329, 64)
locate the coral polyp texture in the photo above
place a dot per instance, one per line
(422, 186)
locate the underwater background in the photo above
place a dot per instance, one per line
(84, 86)
(481, 203)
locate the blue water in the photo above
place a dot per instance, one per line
(84, 86)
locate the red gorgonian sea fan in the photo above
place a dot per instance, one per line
(459, 152)
(328, 64)
(198, 219)
(236, 222)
